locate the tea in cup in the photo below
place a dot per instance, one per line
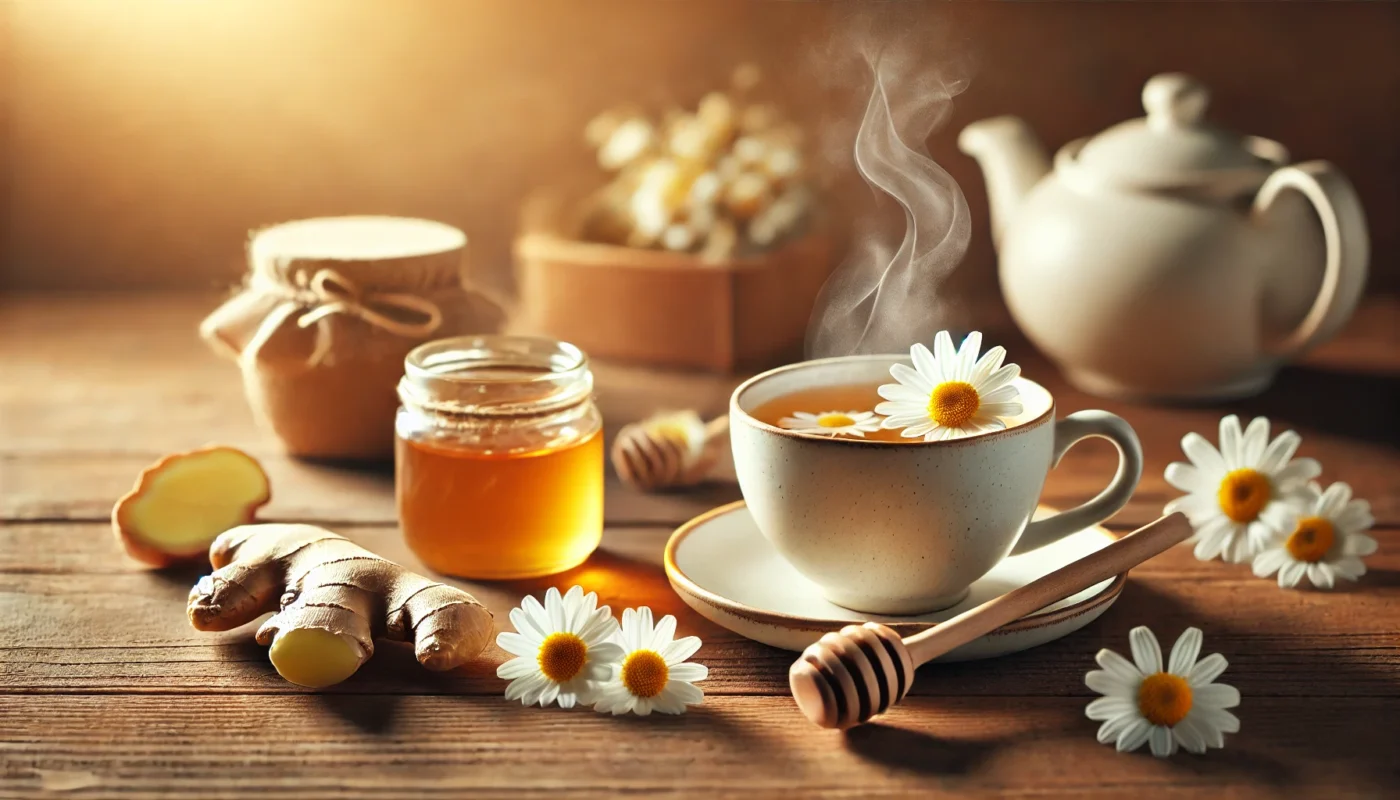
(891, 525)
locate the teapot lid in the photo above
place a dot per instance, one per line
(1173, 146)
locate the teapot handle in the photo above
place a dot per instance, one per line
(1347, 247)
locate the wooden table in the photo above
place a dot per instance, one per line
(105, 690)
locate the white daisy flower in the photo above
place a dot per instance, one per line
(1326, 542)
(1181, 705)
(653, 674)
(1243, 494)
(832, 423)
(950, 394)
(562, 649)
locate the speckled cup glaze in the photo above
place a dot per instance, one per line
(905, 528)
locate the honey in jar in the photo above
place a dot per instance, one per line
(499, 457)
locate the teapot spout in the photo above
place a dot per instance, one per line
(1012, 161)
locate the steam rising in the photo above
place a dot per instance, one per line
(885, 297)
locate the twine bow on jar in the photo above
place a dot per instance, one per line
(328, 293)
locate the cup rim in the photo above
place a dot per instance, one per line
(738, 413)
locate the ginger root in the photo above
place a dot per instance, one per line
(332, 597)
(183, 501)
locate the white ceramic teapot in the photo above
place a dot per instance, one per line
(1164, 258)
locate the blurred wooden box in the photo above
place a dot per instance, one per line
(670, 309)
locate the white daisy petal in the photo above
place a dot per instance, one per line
(1291, 573)
(1239, 549)
(1216, 695)
(1298, 471)
(516, 668)
(1110, 684)
(967, 354)
(907, 376)
(1106, 708)
(1320, 575)
(664, 632)
(1118, 666)
(1355, 517)
(1134, 735)
(1000, 379)
(1207, 670)
(1256, 438)
(900, 393)
(1187, 477)
(989, 362)
(1279, 451)
(680, 649)
(1111, 729)
(1349, 567)
(1334, 500)
(1269, 562)
(1231, 446)
(1161, 741)
(915, 431)
(1004, 394)
(1213, 541)
(689, 672)
(1216, 719)
(1185, 651)
(1203, 455)
(529, 625)
(1147, 654)
(1189, 733)
(1359, 544)
(1004, 409)
(932, 365)
(516, 645)
(943, 353)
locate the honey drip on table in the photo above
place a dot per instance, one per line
(501, 515)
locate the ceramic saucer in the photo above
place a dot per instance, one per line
(724, 568)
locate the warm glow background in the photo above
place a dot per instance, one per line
(141, 139)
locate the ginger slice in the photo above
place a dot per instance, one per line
(331, 598)
(182, 502)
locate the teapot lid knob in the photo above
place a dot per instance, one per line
(1174, 100)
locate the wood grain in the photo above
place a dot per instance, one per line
(231, 746)
(106, 691)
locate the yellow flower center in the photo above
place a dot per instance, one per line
(1243, 494)
(953, 403)
(1164, 698)
(644, 673)
(1311, 540)
(834, 421)
(561, 656)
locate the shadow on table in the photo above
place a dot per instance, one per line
(1356, 405)
(919, 752)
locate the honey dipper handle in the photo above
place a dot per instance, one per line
(719, 426)
(1124, 554)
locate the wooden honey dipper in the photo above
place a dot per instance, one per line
(845, 678)
(668, 450)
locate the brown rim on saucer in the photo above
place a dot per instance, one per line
(735, 412)
(683, 584)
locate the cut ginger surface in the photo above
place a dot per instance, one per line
(184, 501)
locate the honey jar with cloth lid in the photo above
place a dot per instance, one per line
(328, 310)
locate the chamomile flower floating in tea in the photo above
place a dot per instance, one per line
(1243, 494)
(832, 423)
(653, 674)
(562, 649)
(950, 393)
(1180, 705)
(1326, 543)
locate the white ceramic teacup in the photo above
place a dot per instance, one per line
(906, 527)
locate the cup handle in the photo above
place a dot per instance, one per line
(1069, 432)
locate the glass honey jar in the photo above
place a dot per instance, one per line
(499, 457)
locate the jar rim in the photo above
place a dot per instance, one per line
(434, 360)
(457, 375)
